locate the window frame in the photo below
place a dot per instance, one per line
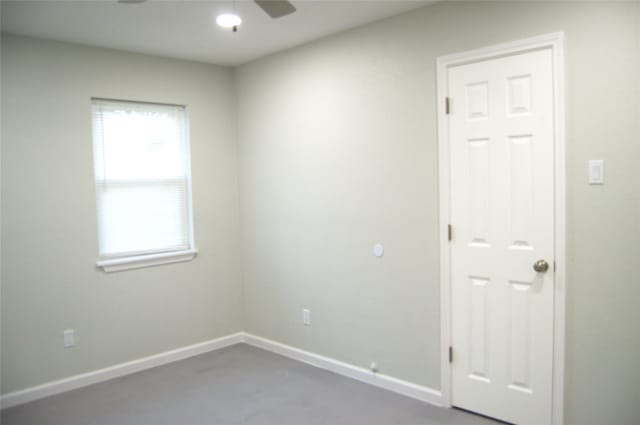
(153, 257)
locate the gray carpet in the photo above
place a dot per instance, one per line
(235, 385)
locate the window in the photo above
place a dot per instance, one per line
(141, 165)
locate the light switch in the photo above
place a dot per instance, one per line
(596, 171)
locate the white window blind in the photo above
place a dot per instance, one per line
(142, 175)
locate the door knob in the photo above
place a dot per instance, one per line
(541, 266)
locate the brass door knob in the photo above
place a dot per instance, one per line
(541, 266)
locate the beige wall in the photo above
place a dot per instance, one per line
(49, 236)
(338, 151)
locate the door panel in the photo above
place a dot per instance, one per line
(502, 191)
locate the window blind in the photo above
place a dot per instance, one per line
(142, 177)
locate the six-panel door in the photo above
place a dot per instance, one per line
(502, 192)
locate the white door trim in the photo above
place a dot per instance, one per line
(555, 42)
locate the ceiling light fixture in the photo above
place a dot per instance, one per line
(229, 20)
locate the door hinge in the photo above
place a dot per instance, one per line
(447, 105)
(554, 266)
(450, 354)
(449, 232)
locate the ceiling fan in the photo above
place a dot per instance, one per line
(276, 8)
(273, 8)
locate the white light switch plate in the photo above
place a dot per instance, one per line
(596, 171)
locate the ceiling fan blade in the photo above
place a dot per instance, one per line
(276, 8)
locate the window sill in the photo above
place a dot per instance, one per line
(139, 261)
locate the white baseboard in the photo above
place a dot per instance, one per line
(84, 379)
(358, 373)
(399, 386)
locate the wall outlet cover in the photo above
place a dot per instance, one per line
(69, 338)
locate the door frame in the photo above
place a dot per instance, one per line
(555, 42)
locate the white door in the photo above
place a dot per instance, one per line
(502, 216)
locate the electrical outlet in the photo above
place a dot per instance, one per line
(69, 338)
(306, 317)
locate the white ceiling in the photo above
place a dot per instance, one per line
(186, 29)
